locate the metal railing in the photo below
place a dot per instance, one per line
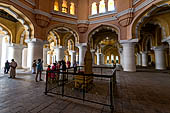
(94, 88)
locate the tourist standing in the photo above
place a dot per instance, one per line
(34, 67)
(7, 67)
(39, 70)
(13, 66)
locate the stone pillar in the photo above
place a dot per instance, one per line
(24, 57)
(93, 58)
(59, 53)
(82, 50)
(48, 58)
(15, 52)
(4, 50)
(73, 56)
(139, 59)
(1, 38)
(144, 59)
(35, 50)
(45, 51)
(167, 39)
(102, 59)
(121, 59)
(129, 57)
(121, 56)
(160, 62)
(53, 59)
(98, 58)
(77, 58)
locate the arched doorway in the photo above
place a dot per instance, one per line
(152, 29)
(62, 45)
(18, 28)
(104, 41)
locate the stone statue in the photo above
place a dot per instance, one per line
(88, 61)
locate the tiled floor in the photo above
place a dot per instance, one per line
(145, 91)
(140, 92)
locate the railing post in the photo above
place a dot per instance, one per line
(46, 83)
(83, 87)
(63, 83)
(111, 93)
(67, 74)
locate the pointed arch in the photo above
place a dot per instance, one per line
(23, 19)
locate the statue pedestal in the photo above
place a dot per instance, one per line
(85, 82)
(82, 82)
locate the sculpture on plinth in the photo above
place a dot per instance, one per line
(85, 81)
(88, 61)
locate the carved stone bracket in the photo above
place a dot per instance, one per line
(42, 20)
(126, 19)
(83, 26)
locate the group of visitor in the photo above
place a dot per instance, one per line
(60, 66)
(12, 67)
(57, 67)
(37, 68)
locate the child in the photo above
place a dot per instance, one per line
(53, 69)
(49, 74)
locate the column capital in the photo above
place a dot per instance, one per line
(59, 47)
(133, 41)
(97, 53)
(92, 50)
(17, 45)
(81, 45)
(72, 51)
(36, 40)
(166, 40)
(159, 48)
(143, 52)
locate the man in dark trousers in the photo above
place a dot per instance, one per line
(7, 67)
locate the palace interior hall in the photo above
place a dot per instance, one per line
(119, 54)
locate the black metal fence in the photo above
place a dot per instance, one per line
(95, 88)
